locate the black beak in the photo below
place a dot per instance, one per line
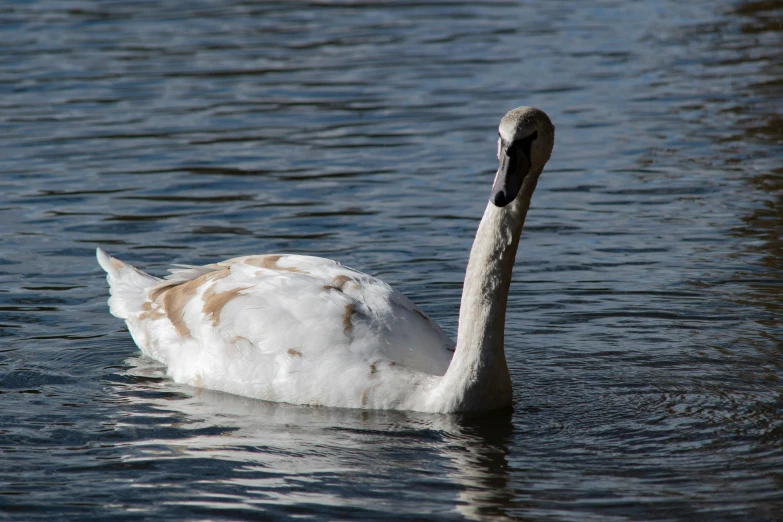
(514, 166)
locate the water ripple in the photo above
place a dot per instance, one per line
(644, 322)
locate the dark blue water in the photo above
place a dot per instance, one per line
(644, 329)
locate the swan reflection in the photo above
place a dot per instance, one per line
(277, 455)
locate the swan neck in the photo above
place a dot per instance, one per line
(478, 378)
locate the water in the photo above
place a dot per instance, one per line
(644, 324)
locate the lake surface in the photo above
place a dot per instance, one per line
(645, 323)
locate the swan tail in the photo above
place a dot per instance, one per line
(127, 285)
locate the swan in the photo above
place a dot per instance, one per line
(308, 330)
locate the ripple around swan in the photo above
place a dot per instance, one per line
(644, 321)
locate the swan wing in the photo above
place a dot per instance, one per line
(289, 328)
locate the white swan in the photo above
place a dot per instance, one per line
(308, 330)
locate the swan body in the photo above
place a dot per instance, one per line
(308, 330)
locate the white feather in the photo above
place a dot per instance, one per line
(127, 285)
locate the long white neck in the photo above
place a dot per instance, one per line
(478, 378)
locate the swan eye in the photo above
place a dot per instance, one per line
(525, 144)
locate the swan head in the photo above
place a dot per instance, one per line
(525, 140)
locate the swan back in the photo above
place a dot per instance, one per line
(287, 328)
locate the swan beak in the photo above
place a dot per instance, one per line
(514, 166)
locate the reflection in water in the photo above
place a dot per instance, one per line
(755, 141)
(483, 468)
(284, 455)
(762, 127)
(762, 130)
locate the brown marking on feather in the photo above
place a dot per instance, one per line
(350, 309)
(214, 302)
(270, 262)
(338, 283)
(148, 313)
(238, 346)
(176, 295)
(156, 291)
(392, 363)
(217, 275)
(294, 353)
(372, 369)
(175, 299)
(340, 280)
(364, 397)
